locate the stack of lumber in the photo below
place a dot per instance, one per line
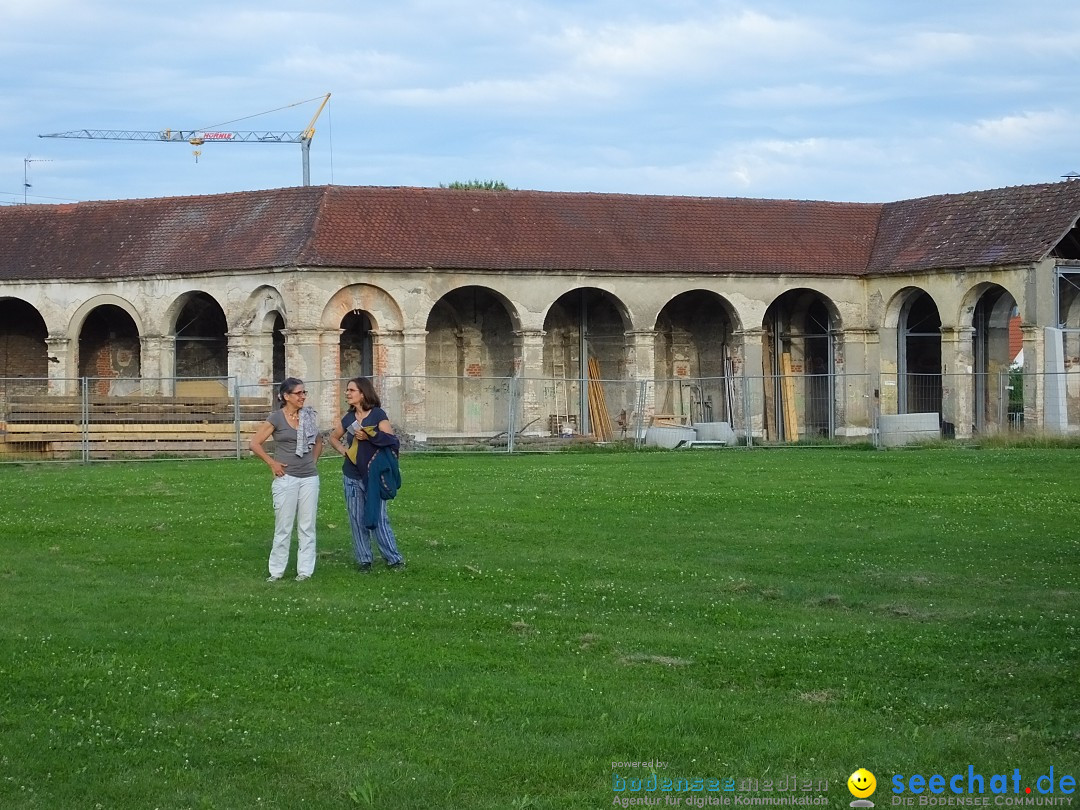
(599, 417)
(140, 425)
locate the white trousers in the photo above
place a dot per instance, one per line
(296, 500)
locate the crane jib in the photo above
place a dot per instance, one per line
(200, 137)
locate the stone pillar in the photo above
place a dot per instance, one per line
(158, 361)
(641, 364)
(61, 375)
(387, 353)
(1055, 411)
(537, 393)
(857, 384)
(748, 356)
(248, 363)
(1034, 375)
(957, 382)
(305, 358)
(412, 366)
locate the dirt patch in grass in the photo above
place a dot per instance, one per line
(646, 658)
(831, 600)
(906, 612)
(588, 641)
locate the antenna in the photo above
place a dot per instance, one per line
(25, 166)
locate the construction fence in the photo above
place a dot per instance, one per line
(90, 419)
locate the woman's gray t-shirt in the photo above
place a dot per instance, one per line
(284, 437)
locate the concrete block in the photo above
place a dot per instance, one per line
(714, 432)
(896, 429)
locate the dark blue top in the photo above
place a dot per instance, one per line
(366, 449)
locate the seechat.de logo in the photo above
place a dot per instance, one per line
(1004, 789)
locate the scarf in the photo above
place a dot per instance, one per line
(308, 431)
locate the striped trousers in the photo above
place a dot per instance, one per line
(384, 535)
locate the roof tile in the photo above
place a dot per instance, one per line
(454, 229)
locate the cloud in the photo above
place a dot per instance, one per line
(924, 51)
(694, 46)
(539, 91)
(1028, 129)
(788, 96)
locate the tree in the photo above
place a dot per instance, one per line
(478, 185)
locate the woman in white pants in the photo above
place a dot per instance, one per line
(295, 489)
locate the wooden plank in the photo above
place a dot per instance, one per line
(598, 413)
(768, 381)
(121, 427)
(53, 433)
(791, 416)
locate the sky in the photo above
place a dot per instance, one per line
(844, 100)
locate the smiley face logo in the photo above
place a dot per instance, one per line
(861, 783)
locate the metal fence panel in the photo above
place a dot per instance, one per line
(88, 419)
(85, 419)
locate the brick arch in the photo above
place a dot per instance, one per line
(385, 313)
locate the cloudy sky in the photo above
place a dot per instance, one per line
(850, 100)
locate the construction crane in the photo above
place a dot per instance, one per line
(198, 137)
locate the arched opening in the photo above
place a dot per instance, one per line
(23, 352)
(470, 360)
(24, 355)
(109, 352)
(277, 342)
(919, 355)
(991, 320)
(585, 342)
(356, 347)
(201, 342)
(798, 366)
(694, 376)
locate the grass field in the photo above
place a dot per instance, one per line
(734, 615)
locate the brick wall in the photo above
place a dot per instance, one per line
(23, 352)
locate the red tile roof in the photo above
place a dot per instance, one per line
(529, 230)
(1003, 226)
(405, 228)
(173, 236)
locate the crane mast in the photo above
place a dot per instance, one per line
(198, 137)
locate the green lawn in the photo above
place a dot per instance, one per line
(735, 615)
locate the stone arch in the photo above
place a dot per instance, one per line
(256, 312)
(78, 317)
(384, 312)
(469, 355)
(356, 345)
(694, 357)
(199, 329)
(24, 352)
(362, 315)
(914, 314)
(106, 344)
(257, 337)
(799, 358)
(991, 312)
(588, 323)
(109, 353)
